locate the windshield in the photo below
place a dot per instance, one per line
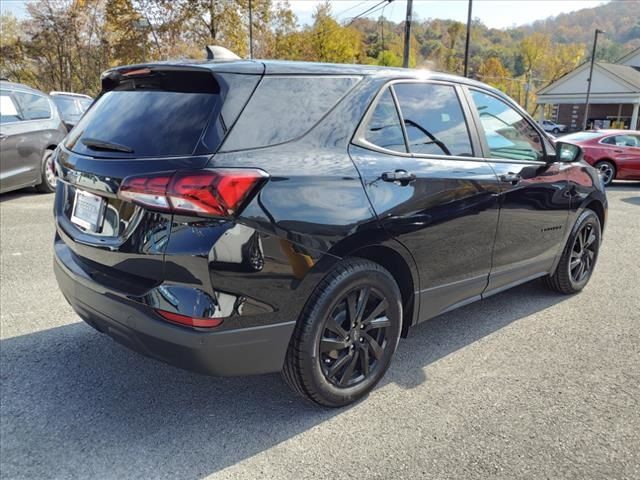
(148, 123)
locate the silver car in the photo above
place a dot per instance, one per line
(30, 130)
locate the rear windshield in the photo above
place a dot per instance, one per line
(580, 136)
(67, 106)
(146, 123)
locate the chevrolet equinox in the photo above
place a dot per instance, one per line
(246, 217)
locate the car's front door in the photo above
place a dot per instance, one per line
(534, 192)
(418, 161)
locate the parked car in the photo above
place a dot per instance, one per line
(553, 127)
(71, 105)
(615, 153)
(30, 129)
(246, 217)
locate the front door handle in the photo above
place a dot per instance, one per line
(2, 136)
(512, 178)
(401, 176)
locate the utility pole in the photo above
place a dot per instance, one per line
(466, 45)
(593, 59)
(407, 34)
(250, 29)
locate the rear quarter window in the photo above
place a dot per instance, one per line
(284, 108)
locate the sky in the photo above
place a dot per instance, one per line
(493, 13)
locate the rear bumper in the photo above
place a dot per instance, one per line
(242, 351)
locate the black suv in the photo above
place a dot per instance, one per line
(246, 217)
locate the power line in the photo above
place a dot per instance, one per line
(371, 10)
(351, 8)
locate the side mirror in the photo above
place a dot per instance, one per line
(567, 152)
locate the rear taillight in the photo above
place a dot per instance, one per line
(221, 192)
(189, 321)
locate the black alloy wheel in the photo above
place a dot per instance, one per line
(583, 254)
(346, 336)
(579, 256)
(354, 337)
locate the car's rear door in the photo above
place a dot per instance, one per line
(534, 192)
(420, 164)
(626, 154)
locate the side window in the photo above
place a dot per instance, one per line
(33, 107)
(626, 141)
(508, 133)
(283, 108)
(622, 140)
(433, 119)
(8, 109)
(383, 128)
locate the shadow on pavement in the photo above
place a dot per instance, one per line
(76, 404)
(15, 194)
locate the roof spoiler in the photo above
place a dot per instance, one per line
(216, 52)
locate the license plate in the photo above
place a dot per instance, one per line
(87, 210)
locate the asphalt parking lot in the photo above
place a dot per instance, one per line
(526, 384)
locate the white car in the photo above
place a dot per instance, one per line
(553, 127)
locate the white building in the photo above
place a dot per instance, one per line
(615, 95)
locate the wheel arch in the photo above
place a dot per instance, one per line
(597, 206)
(392, 256)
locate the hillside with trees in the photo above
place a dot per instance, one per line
(66, 44)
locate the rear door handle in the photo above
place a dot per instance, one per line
(401, 176)
(2, 136)
(512, 178)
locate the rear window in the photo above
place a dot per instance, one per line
(580, 136)
(67, 106)
(148, 123)
(284, 108)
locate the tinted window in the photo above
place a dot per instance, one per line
(383, 129)
(508, 133)
(433, 119)
(284, 108)
(8, 109)
(151, 123)
(33, 107)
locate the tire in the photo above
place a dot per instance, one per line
(608, 171)
(47, 174)
(330, 361)
(581, 249)
(556, 131)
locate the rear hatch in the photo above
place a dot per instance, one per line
(151, 121)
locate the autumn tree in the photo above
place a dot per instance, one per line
(13, 51)
(332, 42)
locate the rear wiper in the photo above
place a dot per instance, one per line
(95, 144)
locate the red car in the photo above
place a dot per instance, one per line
(616, 153)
